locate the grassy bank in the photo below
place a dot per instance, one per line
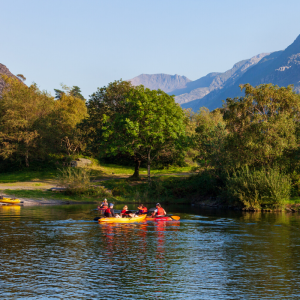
(111, 177)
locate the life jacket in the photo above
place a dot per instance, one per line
(144, 210)
(104, 205)
(107, 212)
(160, 211)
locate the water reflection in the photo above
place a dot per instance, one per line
(59, 252)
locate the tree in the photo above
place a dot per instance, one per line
(75, 91)
(103, 104)
(149, 123)
(209, 138)
(263, 126)
(20, 108)
(59, 129)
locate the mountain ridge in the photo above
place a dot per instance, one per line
(281, 68)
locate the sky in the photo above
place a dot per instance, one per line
(90, 43)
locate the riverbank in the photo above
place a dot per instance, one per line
(213, 202)
(41, 188)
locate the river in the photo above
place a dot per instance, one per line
(58, 252)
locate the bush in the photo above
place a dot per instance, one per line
(259, 188)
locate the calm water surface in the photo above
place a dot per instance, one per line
(58, 252)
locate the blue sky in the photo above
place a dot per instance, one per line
(93, 42)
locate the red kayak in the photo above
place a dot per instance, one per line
(166, 218)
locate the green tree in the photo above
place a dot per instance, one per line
(20, 108)
(150, 123)
(135, 121)
(263, 126)
(59, 130)
(209, 138)
(75, 91)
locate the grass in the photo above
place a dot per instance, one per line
(21, 176)
(97, 172)
(112, 169)
(40, 194)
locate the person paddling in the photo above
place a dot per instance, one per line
(159, 211)
(104, 204)
(142, 209)
(109, 212)
(125, 212)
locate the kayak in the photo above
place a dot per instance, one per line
(10, 200)
(166, 218)
(122, 220)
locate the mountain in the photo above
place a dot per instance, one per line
(280, 68)
(165, 82)
(4, 70)
(215, 81)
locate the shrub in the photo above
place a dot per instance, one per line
(259, 188)
(75, 180)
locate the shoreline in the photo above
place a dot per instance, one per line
(213, 203)
(37, 202)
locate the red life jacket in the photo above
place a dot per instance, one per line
(107, 212)
(160, 211)
(144, 210)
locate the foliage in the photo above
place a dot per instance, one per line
(77, 181)
(20, 108)
(210, 138)
(134, 121)
(33, 125)
(263, 126)
(254, 189)
(75, 91)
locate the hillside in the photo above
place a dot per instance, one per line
(281, 68)
(4, 70)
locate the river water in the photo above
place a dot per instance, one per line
(58, 252)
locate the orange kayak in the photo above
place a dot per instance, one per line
(165, 218)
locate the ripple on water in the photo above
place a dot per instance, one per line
(59, 254)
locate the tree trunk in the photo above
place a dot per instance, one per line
(26, 158)
(148, 167)
(136, 174)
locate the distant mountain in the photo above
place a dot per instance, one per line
(280, 68)
(199, 88)
(165, 82)
(4, 70)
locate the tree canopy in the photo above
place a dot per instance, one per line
(136, 121)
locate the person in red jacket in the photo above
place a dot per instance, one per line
(159, 211)
(109, 212)
(142, 209)
(125, 212)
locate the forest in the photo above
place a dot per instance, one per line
(243, 154)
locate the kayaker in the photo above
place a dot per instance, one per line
(109, 212)
(142, 209)
(159, 211)
(125, 212)
(104, 204)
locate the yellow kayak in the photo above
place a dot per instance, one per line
(10, 200)
(122, 220)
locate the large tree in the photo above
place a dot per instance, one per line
(20, 108)
(263, 126)
(139, 122)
